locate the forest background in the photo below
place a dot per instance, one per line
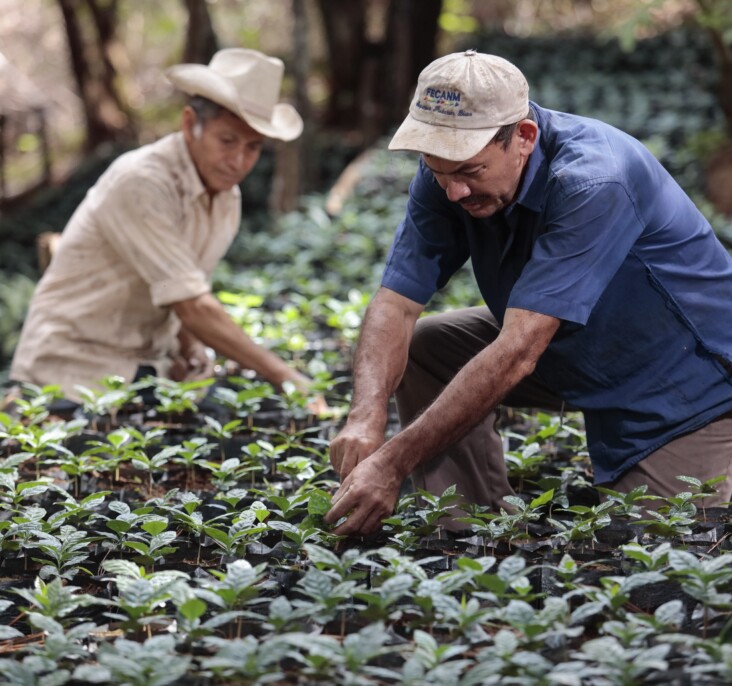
(82, 80)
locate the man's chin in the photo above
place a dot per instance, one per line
(480, 210)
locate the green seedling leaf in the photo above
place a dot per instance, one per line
(155, 526)
(543, 499)
(319, 502)
(192, 609)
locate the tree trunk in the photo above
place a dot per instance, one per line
(724, 84)
(294, 161)
(371, 84)
(201, 39)
(410, 46)
(91, 31)
(344, 22)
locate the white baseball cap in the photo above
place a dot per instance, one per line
(462, 99)
(245, 82)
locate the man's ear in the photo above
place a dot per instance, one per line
(189, 119)
(527, 131)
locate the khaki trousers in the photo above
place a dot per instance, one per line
(444, 343)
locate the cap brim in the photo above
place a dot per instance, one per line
(447, 143)
(198, 79)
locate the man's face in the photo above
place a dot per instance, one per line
(224, 149)
(489, 182)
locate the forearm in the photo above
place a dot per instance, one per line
(381, 355)
(205, 318)
(474, 392)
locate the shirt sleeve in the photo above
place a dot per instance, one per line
(141, 220)
(590, 232)
(430, 244)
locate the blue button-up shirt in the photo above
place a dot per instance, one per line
(601, 237)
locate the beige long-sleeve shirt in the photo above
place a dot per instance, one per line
(146, 235)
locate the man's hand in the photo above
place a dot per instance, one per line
(353, 445)
(317, 404)
(367, 495)
(192, 362)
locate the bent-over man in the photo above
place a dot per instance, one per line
(605, 288)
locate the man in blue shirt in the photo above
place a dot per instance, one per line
(606, 289)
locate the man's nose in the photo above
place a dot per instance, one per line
(456, 190)
(240, 160)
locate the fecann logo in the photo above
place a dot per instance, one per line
(442, 101)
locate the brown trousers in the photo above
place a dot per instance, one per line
(444, 343)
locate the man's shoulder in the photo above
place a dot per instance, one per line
(154, 166)
(581, 151)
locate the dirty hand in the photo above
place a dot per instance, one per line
(354, 444)
(366, 496)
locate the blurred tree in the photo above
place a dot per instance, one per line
(714, 15)
(91, 30)
(295, 169)
(371, 78)
(201, 39)
(344, 23)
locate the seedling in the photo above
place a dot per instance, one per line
(156, 661)
(107, 401)
(142, 596)
(66, 552)
(587, 521)
(56, 600)
(191, 453)
(32, 406)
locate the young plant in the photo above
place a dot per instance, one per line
(154, 464)
(142, 596)
(65, 553)
(191, 453)
(627, 504)
(587, 521)
(155, 662)
(77, 511)
(702, 489)
(422, 512)
(178, 398)
(225, 474)
(152, 547)
(245, 660)
(219, 431)
(56, 600)
(120, 525)
(107, 401)
(326, 595)
(432, 662)
(245, 402)
(245, 529)
(33, 405)
(707, 581)
(234, 588)
(510, 525)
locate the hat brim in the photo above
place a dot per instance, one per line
(447, 143)
(198, 79)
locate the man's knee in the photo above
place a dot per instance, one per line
(424, 339)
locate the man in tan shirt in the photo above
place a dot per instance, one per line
(129, 287)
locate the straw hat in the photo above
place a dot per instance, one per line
(245, 82)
